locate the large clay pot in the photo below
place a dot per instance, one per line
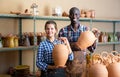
(114, 70)
(60, 54)
(98, 70)
(86, 39)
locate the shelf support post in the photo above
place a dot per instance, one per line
(114, 27)
(20, 35)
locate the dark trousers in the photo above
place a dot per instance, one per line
(53, 73)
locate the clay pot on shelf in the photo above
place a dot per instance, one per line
(11, 41)
(39, 37)
(92, 13)
(86, 39)
(60, 54)
(98, 70)
(64, 14)
(31, 38)
(118, 35)
(83, 11)
(16, 44)
(114, 69)
(88, 14)
(82, 15)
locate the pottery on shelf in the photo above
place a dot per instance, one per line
(60, 54)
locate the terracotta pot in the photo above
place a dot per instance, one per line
(86, 39)
(114, 70)
(82, 15)
(98, 70)
(60, 54)
(88, 14)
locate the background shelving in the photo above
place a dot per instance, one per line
(44, 18)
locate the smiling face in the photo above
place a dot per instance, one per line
(74, 15)
(50, 29)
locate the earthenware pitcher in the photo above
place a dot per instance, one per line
(86, 39)
(60, 54)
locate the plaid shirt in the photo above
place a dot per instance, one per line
(44, 55)
(69, 32)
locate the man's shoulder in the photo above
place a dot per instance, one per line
(65, 27)
(84, 27)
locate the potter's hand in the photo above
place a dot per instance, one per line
(92, 47)
(65, 41)
(55, 67)
(60, 66)
(51, 67)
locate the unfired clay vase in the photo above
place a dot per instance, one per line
(86, 39)
(60, 54)
(114, 70)
(98, 70)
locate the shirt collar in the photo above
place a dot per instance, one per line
(77, 29)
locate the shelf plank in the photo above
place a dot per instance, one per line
(60, 18)
(108, 43)
(105, 20)
(17, 48)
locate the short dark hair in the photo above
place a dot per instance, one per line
(72, 9)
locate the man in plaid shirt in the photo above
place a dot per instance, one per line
(72, 32)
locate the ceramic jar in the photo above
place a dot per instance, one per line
(88, 14)
(86, 39)
(16, 41)
(98, 70)
(60, 54)
(11, 41)
(114, 69)
(92, 13)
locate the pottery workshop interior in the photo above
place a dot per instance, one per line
(22, 29)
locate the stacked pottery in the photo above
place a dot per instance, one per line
(86, 39)
(60, 54)
(105, 65)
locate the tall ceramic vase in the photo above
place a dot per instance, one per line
(60, 54)
(86, 39)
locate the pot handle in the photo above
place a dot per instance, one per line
(96, 58)
(115, 53)
(106, 58)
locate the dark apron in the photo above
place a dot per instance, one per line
(53, 73)
(59, 72)
(76, 68)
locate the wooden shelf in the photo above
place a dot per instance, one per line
(17, 48)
